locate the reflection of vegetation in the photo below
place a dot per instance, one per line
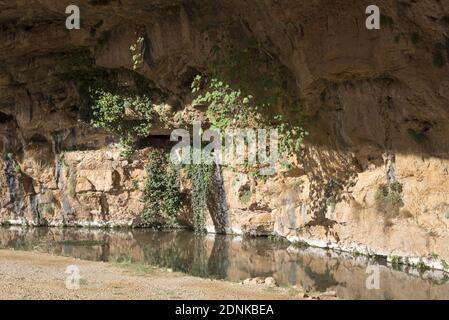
(81, 243)
(421, 267)
(277, 239)
(218, 262)
(300, 244)
(127, 262)
(322, 280)
(199, 266)
(396, 262)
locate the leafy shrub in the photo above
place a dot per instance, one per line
(396, 260)
(161, 195)
(438, 59)
(200, 175)
(418, 137)
(230, 108)
(421, 267)
(18, 169)
(46, 208)
(277, 239)
(291, 137)
(128, 116)
(124, 110)
(388, 198)
(226, 107)
(245, 197)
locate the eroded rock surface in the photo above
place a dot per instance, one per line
(376, 105)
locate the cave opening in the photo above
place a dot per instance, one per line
(5, 118)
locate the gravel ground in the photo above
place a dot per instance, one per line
(35, 275)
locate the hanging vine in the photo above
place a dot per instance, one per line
(200, 175)
(161, 195)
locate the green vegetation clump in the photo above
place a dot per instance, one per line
(161, 195)
(396, 260)
(278, 239)
(226, 107)
(438, 59)
(46, 208)
(81, 243)
(18, 169)
(136, 56)
(388, 198)
(126, 115)
(421, 267)
(300, 244)
(125, 110)
(418, 137)
(200, 175)
(291, 137)
(230, 108)
(245, 197)
(414, 38)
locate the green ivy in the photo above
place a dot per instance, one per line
(112, 112)
(200, 175)
(226, 107)
(123, 110)
(161, 195)
(137, 57)
(230, 108)
(291, 137)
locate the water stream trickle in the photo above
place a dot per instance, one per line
(15, 192)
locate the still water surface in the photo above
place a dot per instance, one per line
(232, 258)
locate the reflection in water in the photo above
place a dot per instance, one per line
(231, 258)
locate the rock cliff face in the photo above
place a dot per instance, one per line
(373, 173)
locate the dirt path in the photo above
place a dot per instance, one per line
(33, 275)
